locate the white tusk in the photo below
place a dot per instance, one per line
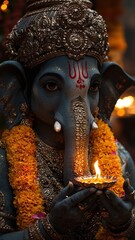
(57, 126)
(94, 125)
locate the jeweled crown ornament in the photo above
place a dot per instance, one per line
(58, 27)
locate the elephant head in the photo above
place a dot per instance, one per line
(65, 91)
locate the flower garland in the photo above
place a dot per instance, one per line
(21, 148)
(104, 150)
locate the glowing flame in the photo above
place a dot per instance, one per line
(97, 169)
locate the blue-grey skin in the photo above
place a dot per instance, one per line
(51, 97)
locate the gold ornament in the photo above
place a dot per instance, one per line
(57, 28)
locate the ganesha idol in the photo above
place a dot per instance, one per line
(63, 175)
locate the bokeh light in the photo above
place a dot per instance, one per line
(125, 106)
(4, 6)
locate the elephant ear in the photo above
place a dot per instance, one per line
(12, 100)
(114, 82)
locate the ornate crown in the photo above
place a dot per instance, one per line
(58, 27)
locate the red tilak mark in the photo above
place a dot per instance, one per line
(69, 71)
(78, 73)
(85, 71)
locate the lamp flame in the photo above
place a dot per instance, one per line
(97, 169)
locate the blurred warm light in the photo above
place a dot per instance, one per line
(125, 106)
(131, 111)
(119, 104)
(3, 7)
(121, 112)
(128, 101)
(125, 102)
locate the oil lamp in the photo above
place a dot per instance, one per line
(96, 180)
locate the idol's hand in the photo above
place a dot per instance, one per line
(68, 210)
(115, 211)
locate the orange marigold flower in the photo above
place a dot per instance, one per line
(104, 149)
(21, 148)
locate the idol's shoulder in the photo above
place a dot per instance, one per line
(7, 211)
(128, 164)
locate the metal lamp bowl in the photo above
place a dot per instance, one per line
(92, 181)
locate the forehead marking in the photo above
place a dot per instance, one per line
(78, 72)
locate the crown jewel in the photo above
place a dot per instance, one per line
(58, 27)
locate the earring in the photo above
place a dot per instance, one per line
(57, 126)
(26, 117)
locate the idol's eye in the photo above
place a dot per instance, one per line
(94, 87)
(95, 83)
(51, 86)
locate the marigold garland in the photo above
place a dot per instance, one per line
(21, 148)
(104, 150)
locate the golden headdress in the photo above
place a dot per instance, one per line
(58, 27)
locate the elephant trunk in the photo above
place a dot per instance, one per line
(77, 142)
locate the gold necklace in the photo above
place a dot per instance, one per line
(50, 171)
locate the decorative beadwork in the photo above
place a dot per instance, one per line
(34, 232)
(2, 201)
(50, 168)
(50, 230)
(5, 218)
(4, 227)
(81, 123)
